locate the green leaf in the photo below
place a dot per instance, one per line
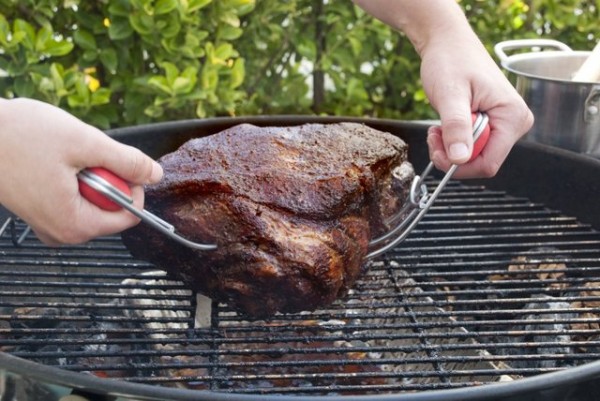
(195, 5)
(121, 8)
(200, 110)
(222, 53)
(241, 7)
(171, 72)
(230, 18)
(98, 119)
(160, 83)
(58, 49)
(43, 39)
(90, 56)
(169, 26)
(56, 74)
(165, 6)
(182, 85)
(308, 49)
(119, 29)
(4, 30)
(85, 39)
(238, 72)
(77, 101)
(109, 59)
(209, 78)
(142, 23)
(154, 111)
(101, 96)
(26, 31)
(356, 45)
(24, 86)
(228, 32)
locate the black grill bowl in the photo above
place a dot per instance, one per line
(497, 283)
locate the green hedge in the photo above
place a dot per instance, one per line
(125, 62)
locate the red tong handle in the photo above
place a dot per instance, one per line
(99, 199)
(481, 141)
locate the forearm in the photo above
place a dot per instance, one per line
(423, 21)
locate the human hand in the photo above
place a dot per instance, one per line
(459, 77)
(42, 148)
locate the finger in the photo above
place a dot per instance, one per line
(437, 152)
(128, 162)
(131, 164)
(97, 222)
(90, 222)
(491, 157)
(134, 166)
(485, 165)
(455, 114)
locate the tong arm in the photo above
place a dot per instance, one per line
(102, 186)
(420, 200)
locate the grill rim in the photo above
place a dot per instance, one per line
(560, 162)
(569, 377)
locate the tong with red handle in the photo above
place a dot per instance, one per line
(110, 192)
(420, 200)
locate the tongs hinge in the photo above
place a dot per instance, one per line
(420, 200)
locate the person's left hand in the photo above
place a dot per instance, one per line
(460, 77)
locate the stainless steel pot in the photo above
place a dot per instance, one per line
(567, 113)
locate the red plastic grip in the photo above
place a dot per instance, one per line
(482, 141)
(99, 199)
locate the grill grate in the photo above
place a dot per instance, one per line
(488, 288)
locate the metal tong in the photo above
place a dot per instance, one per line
(97, 184)
(420, 200)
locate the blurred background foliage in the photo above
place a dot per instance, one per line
(126, 62)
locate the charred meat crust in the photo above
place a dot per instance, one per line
(292, 210)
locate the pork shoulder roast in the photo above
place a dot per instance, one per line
(291, 209)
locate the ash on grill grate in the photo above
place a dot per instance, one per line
(517, 276)
(366, 347)
(30, 332)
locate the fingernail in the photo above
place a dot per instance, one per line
(157, 173)
(458, 151)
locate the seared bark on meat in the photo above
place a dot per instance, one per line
(292, 210)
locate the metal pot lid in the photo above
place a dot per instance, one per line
(558, 64)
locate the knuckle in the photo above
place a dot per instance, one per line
(490, 170)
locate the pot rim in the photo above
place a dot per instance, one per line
(544, 57)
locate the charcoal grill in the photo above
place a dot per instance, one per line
(495, 296)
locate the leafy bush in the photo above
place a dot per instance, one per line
(126, 62)
(123, 62)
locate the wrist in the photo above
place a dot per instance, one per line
(425, 22)
(447, 26)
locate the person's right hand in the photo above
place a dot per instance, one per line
(459, 78)
(42, 148)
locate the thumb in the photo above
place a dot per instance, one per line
(453, 103)
(457, 134)
(128, 162)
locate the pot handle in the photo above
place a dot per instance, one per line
(501, 48)
(591, 113)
